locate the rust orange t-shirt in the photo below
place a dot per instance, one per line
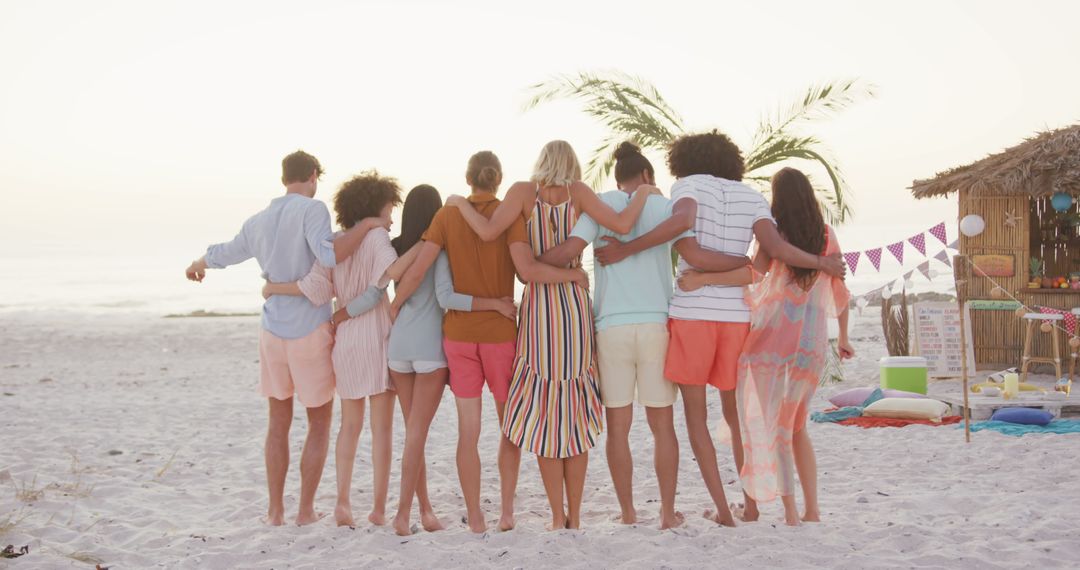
(480, 269)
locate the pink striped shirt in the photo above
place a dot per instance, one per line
(360, 344)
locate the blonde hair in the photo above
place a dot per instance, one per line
(557, 166)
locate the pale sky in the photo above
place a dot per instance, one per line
(159, 126)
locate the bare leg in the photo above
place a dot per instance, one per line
(666, 462)
(553, 474)
(806, 466)
(313, 459)
(352, 423)
(382, 452)
(791, 510)
(468, 460)
(509, 467)
(697, 427)
(420, 396)
(574, 469)
(620, 461)
(277, 458)
(731, 416)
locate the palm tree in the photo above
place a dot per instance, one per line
(632, 108)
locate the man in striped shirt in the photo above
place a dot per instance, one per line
(708, 325)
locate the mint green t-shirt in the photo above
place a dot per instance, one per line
(637, 289)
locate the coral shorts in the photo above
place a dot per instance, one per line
(705, 352)
(472, 363)
(301, 366)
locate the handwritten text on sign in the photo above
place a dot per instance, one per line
(937, 338)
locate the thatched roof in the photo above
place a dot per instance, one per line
(1044, 164)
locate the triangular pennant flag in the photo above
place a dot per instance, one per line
(919, 241)
(897, 249)
(954, 244)
(938, 231)
(943, 256)
(875, 257)
(852, 259)
(924, 268)
(907, 276)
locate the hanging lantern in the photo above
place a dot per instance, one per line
(1061, 202)
(972, 225)
(909, 284)
(1074, 342)
(997, 293)
(1046, 327)
(886, 294)
(1020, 312)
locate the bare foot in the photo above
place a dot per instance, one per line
(343, 515)
(812, 517)
(558, 522)
(573, 523)
(791, 519)
(275, 517)
(722, 517)
(377, 518)
(671, 521)
(477, 525)
(506, 522)
(748, 513)
(627, 517)
(304, 519)
(402, 526)
(430, 522)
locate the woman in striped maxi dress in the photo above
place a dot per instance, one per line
(554, 407)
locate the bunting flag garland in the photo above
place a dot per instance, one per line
(955, 244)
(907, 276)
(924, 268)
(938, 231)
(943, 256)
(919, 241)
(875, 257)
(897, 249)
(852, 259)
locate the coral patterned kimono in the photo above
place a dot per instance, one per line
(779, 370)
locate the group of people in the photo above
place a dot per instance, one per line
(562, 361)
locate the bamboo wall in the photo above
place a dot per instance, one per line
(998, 336)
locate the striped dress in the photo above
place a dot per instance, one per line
(554, 407)
(360, 343)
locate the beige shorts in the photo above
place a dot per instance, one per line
(632, 362)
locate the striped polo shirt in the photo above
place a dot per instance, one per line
(726, 214)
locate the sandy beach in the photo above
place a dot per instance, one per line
(136, 441)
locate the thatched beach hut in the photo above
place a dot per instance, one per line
(1026, 197)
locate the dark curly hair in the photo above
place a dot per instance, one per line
(710, 153)
(365, 196)
(798, 218)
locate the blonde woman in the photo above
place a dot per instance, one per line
(554, 408)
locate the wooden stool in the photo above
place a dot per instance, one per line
(1074, 356)
(1029, 334)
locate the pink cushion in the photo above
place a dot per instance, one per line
(856, 396)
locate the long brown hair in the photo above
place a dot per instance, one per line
(798, 218)
(420, 207)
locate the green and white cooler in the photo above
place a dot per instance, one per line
(907, 373)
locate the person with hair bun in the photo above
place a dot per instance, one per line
(480, 345)
(784, 356)
(630, 305)
(709, 325)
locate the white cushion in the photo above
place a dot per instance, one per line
(907, 409)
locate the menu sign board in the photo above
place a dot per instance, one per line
(937, 339)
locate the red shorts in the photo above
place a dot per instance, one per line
(704, 352)
(472, 363)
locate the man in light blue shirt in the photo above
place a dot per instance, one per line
(631, 305)
(296, 340)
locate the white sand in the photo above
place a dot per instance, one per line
(145, 435)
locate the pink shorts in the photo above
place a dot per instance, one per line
(705, 352)
(471, 363)
(299, 366)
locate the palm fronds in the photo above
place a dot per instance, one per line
(630, 107)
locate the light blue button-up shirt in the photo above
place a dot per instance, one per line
(286, 239)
